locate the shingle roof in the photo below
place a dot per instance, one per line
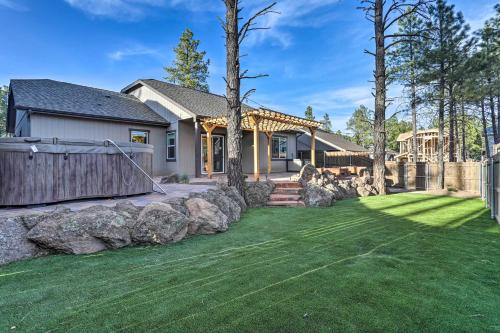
(197, 102)
(51, 96)
(338, 141)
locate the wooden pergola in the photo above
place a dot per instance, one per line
(261, 120)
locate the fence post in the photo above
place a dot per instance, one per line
(492, 189)
(406, 175)
(427, 175)
(481, 180)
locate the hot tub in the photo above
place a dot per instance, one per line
(39, 170)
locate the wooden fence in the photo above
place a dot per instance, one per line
(490, 180)
(460, 176)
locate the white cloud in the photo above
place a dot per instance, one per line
(293, 13)
(136, 50)
(477, 22)
(343, 98)
(10, 4)
(133, 10)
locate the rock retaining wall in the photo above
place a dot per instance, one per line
(98, 228)
(322, 189)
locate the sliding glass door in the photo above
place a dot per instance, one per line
(217, 154)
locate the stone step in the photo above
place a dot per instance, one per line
(284, 184)
(285, 190)
(291, 203)
(284, 197)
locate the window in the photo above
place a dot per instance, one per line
(139, 136)
(280, 147)
(171, 145)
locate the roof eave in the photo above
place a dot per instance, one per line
(89, 116)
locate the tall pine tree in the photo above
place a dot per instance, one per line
(326, 123)
(190, 69)
(404, 67)
(446, 34)
(308, 114)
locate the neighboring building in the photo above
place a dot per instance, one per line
(327, 142)
(427, 146)
(165, 115)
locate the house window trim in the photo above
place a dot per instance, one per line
(204, 135)
(174, 159)
(148, 132)
(272, 142)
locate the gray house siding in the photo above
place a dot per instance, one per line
(277, 165)
(22, 124)
(48, 126)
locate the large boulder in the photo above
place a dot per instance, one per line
(338, 194)
(177, 203)
(128, 210)
(257, 193)
(87, 231)
(205, 217)
(159, 223)
(233, 193)
(13, 242)
(308, 173)
(317, 196)
(347, 189)
(228, 206)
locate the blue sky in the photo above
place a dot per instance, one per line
(313, 51)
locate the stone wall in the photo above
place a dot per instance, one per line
(98, 228)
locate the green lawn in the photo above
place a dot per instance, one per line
(404, 262)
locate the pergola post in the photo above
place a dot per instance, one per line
(209, 128)
(256, 159)
(313, 145)
(269, 152)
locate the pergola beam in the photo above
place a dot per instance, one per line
(262, 120)
(269, 136)
(256, 157)
(209, 128)
(313, 145)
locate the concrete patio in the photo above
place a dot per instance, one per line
(172, 191)
(277, 176)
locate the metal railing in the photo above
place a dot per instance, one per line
(136, 165)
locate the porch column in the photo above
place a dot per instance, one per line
(209, 128)
(256, 159)
(313, 145)
(197, 148)
(269, 152)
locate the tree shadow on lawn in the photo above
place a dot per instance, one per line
(397, 263)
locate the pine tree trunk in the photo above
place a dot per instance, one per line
(493, 117)
(414, 123)
(451, 134)
(442, 82)
(463, 151)
(456, 157)
(380, 91)
(440, 180)
(234, 168)
(485, 132)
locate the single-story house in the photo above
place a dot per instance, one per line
(179, 122)
(331, 149)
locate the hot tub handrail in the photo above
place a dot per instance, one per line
(136, 165)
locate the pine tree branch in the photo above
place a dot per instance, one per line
(249, 24)
(247, 94)
(369, 52)
(415, 8)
